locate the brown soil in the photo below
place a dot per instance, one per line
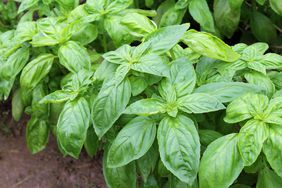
(47, 169)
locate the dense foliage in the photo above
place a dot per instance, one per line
(168, 105)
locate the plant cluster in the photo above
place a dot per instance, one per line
(168, 105)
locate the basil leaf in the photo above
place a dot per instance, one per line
(72, 126)
(74, 57)
(208, 136)
(274, 111)
(151, 64)
(199, 103)
(209, 45)
(37, 134)
(109, 105)
(252, 52)
(147, 163)
(17, 105)
(227, 15)
(245, 107)
(138, 85)
(262, 27)
(172, 16)
(146, 107)
(132, 142)
(59, 96)
(124, 176)
(267, 178)
(14, 64)
(138, 24)
(221, 163)
(200, 12)
(91, 142)
(182, 77)
(163, 39)
(120, 55)
(179, 147)
(36, 70)
(272, 148)
(271, 61)
(227, 91)
(26, 4)
(276, 5)
(251, 139)
(117, 31)
(262, 81)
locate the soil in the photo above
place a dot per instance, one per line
(47, 169)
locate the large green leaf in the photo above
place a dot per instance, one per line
(221, 163)
(14, 64)
(110, 104)
(132, 142)
(268, 178)
(246, 107)
(199, 103)
(262, 27)
(179, 147)
(272, 148)
(276, 5)
(163, 39)
(117, 31)
(209, 45)
(200, 12)
(36, 70)
(251, 139)
(227, 15)
(124, 176)
(72, 126)
(227, 91)
(74, 57)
